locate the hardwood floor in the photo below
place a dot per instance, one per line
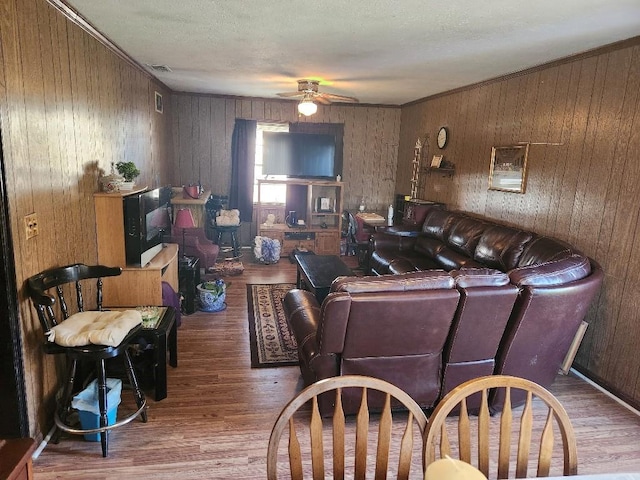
(216, 420)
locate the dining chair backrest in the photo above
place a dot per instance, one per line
(540, 420)
(48, 288)
(348, 435)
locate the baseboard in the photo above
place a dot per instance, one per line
(606, 392)
(43, 443)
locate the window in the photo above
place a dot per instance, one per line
(270, 193)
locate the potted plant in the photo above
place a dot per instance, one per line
(129, 171)
(212, 295)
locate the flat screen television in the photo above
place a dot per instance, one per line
(303, 155)
(146, 218)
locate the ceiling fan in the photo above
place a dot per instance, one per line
(308, 90)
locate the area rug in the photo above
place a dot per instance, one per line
(272, 344)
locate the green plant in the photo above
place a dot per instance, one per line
(217, 287)
(128, 170)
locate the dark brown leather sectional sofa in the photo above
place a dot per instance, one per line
(461, 298)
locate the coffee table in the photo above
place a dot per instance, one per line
(317, 272)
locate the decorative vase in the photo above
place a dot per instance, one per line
(212, 296)
(111, 183)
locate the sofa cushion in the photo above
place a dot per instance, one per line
(557, 272)
(464, 234)
(426, 280)
(437, 223)
(401, 265)
(428, 246)
(501, 247)
(479, 277)
(543, 249)
(449, 259)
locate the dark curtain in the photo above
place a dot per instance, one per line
(243, 160)
(335, 129)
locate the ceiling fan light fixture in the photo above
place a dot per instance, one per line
(306, 107)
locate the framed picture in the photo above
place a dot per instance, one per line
(508, 172)
(159, 107)
(436, 161)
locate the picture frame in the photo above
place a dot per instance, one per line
(508, 170)
(158, 102)
(323, 205)
(436, 161)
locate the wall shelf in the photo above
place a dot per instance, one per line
(448, 172)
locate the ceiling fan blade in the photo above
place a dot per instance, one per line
(320, 98)
(291, 94)
(338, 98)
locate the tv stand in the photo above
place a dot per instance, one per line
(317, 202)
(136, 286)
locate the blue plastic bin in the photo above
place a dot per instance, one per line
(86, 402)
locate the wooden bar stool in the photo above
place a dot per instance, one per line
(53, 309)
(231, 230)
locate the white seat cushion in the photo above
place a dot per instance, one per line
(98, 328)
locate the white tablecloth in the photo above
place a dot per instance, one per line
(602, 476)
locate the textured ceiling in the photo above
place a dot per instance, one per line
(382, 52)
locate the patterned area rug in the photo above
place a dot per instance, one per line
(272, 344)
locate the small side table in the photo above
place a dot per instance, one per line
(164, 337)
(188, 279)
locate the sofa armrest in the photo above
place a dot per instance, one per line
(303, 314)
(389, 241)
(401, 230)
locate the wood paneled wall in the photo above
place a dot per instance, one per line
(71, 107)
(203, 127)
(585, 191)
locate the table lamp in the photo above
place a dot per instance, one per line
(184, 219)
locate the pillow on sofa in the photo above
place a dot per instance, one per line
(426, 280)
(557, 272)
(479, 277)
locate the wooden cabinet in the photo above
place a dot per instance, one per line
(136, 285)
(318, 203)
(15, 459)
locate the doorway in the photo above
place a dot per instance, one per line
(14, 422)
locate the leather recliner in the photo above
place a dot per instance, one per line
(392, 327)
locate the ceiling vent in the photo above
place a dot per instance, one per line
(159, 68)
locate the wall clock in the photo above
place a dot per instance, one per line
(443, 137)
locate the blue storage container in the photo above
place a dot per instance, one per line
(86, 402)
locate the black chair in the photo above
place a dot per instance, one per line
(64, 280)
(357, 239)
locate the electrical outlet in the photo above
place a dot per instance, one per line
(31, 225)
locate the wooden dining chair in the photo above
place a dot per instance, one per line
(541, 418)
(351, 435)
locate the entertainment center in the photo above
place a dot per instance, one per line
(317, 203)
(129, 228)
